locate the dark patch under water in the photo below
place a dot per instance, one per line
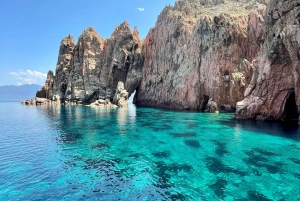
(221, 149)
(264, 152)
(255, 157)
(297, 175)
(296, 161)
(256, 196)
(259, 161)
(177, 196)
(162, 154)
(216, 166)
(192, 143)
(186, 134)
(191, 125)
(219, 187)
(164, 172)
(161, 128)
(100, 146)
(147, 124)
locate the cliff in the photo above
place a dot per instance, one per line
(201, 55)
(92, 68)
(201, 50)
(274, 91)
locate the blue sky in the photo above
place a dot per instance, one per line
(31, 30)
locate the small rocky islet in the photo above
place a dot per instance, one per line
(237, 56)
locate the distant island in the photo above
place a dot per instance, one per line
(18, 93)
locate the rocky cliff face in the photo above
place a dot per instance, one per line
(201, 50)
(92, 68)
(83, 83)
(201, 55)
(47, 90)
(121, 61)
(274, 91)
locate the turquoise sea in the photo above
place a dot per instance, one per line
(82, 153)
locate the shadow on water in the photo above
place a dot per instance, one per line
(287, 129)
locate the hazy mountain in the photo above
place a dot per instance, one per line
(26, 91)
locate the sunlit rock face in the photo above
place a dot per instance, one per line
(216, 54)
(121, 96)
(63, 67)
(92, 68)
(201, 48)
(47, 90)
(274, 91)
(84, 80)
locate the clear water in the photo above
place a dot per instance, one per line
(82, 153)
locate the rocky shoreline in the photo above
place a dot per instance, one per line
(120, 100)
(238, 56)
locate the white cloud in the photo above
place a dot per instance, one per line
(141, 9)
(29, 77)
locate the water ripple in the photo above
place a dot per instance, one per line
(80, 153)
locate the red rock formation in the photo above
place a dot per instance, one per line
(200, 48)
(205, 51)
(274, 92)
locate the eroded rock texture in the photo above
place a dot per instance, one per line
(121, 96)
(47, 89)
(83, 83)
(201, 49)
(274, 91)
(92, 68)
(63, 69)
(121, 61)
(201, 55)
